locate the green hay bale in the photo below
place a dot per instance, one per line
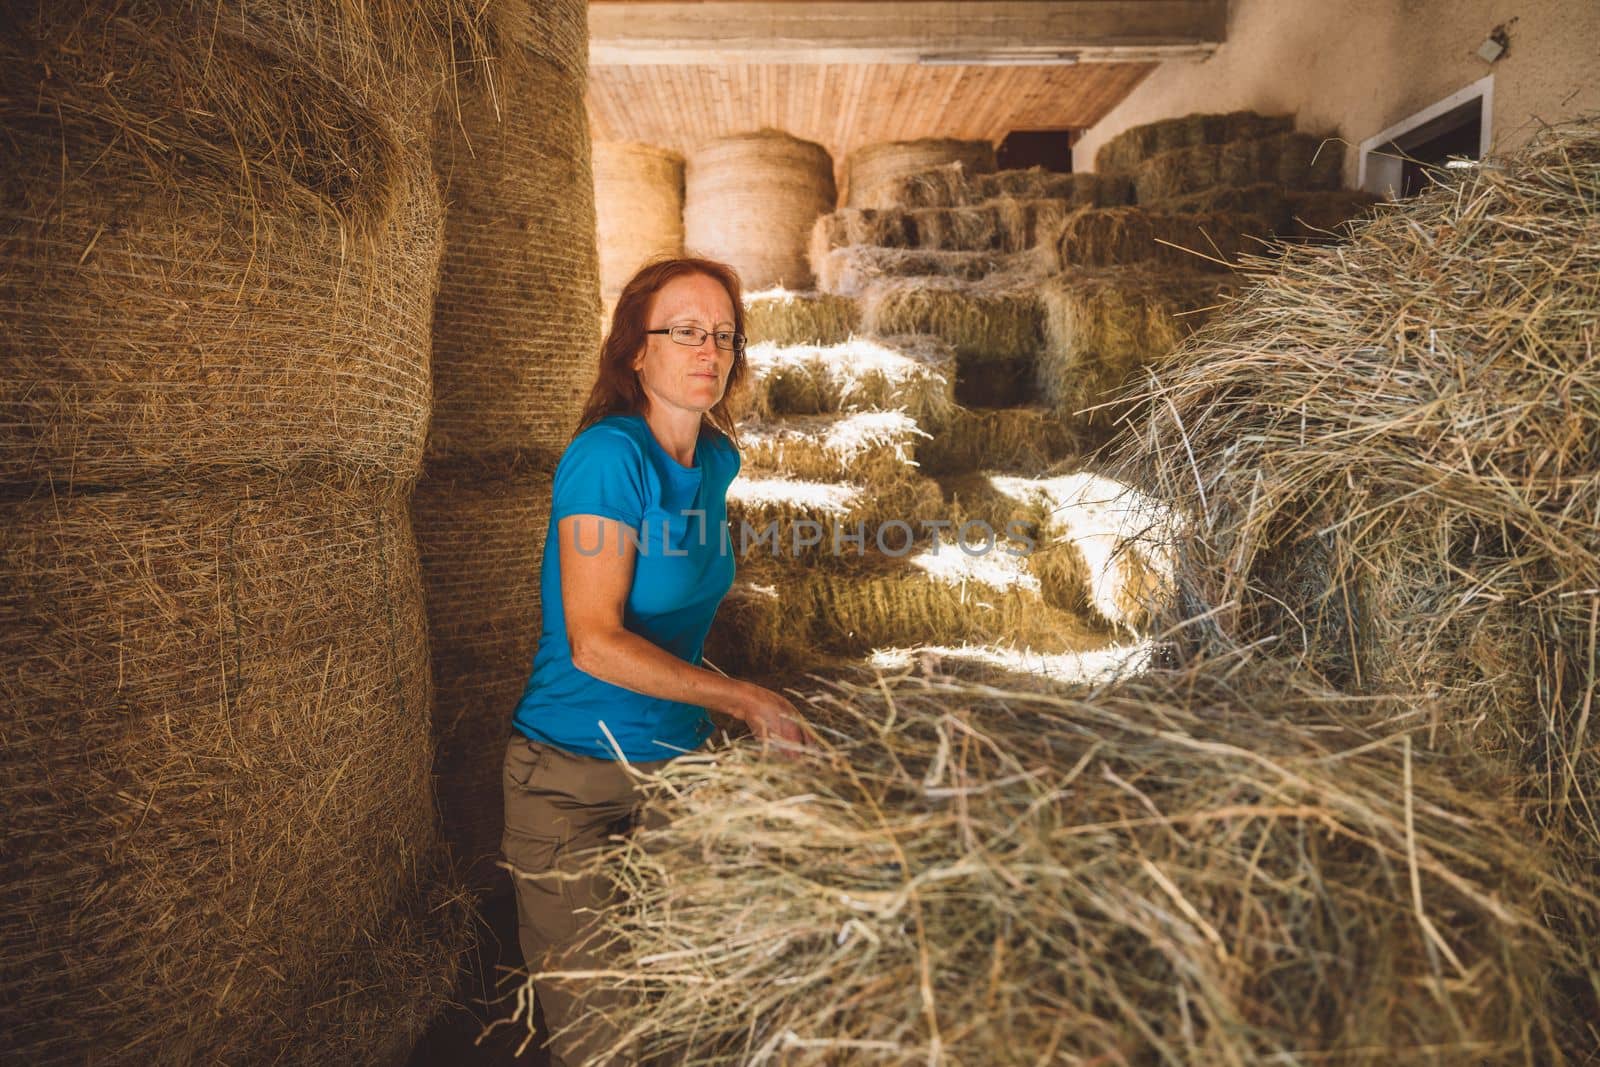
(1294, 160)
(979, 322)
(1020, 439)
(1102, 328)
(790, 318)
(1117, 236)
(1124, 152)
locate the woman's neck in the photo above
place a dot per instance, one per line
(676, 430)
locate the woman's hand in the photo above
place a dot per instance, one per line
(771, 716)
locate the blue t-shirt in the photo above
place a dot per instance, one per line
(683, 568)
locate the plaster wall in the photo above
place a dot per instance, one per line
(1352, 68)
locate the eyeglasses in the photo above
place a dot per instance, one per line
(692, 336)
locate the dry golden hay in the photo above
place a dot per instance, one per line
(480, 530)
(1104, 328)
(1105, 548)
(1124, 152)
(974, 228)
(1389, 455)
(638, 206)
(1118, 236)
(751, 200)
(516, 325)
(873, 172)
(862, 445)
(981, 322)
(852, 270)
(1223, 865)
(1295, 160)
(1020, 439)
(951, 185)
(910, 374)
(888, 228)
(789, 318)
(815, 522)
(217, 765)
(1324, 213)
(1007, 665)
(242, 279)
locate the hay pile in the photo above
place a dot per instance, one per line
(638, 206)
(1223, 866)
(981, 322)
(952, 185)
(1296, 160)
(751, 201)
(221, 235)
(1126, 151)
(910, 374)
(872, 174)
(1118, 236)
(1103, 328)
(784, 317)
(1387, 456)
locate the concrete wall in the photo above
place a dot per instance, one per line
(1352, 68)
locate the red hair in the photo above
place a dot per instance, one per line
(617, 389)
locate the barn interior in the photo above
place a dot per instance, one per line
(1170, 486)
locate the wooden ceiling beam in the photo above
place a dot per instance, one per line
(958, 32)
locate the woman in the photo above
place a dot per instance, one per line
(636, 561)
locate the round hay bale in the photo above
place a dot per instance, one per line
(217, 780)
(517, 321)
(751, 201)
(638, 205)
(203, 272)
(1220, 865)
(1396, 444)
(550, 31)
(480, 531)
(873, 172)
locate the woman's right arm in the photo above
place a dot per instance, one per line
(594, 589)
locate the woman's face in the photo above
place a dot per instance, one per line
(691, 378)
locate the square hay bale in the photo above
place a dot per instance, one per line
(979, 321)
(851, 271)
(1117, 236)
(1103, 327)
(793, 318)
(871, 227)
(1266, 199)
(864, 445)
(1124, 152)
(1019, 439)
(1027, 223)
(971, 228)
(792, 521)
(910, 374)
(1035, 183)
(1294, 160)
(947, 185)
(1324, 214)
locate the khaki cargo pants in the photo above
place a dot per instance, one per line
(557, 805)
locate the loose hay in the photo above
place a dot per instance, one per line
(1105, 329)
(873, 172)
(790, 318)
(1118, 236)
(516, 326)
(480, 531)
(751, 201)
(909, 374)
(208, 272)
(216, 776)
(1295, 160)
(1387, 456)
(1124, 152)
(638, 206)
(988, 322)
(1168, 869)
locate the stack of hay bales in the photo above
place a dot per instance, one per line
(221, 239)
(515, 342)
(1352, 821)
(638, 208)
(873, 173)
(750, 200)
